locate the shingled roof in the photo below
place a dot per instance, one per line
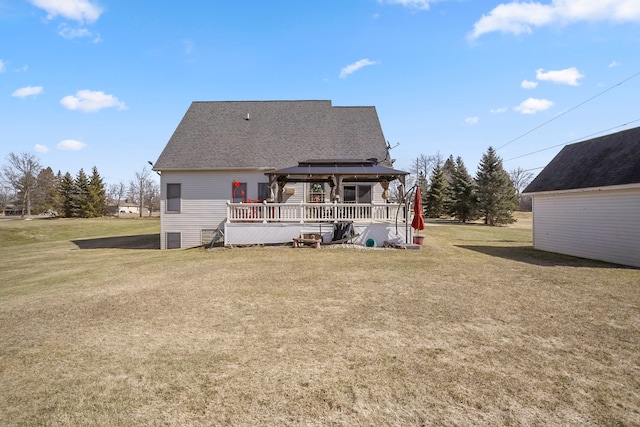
(600, 162)
(271, 134)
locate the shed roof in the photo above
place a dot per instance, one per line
(271, 134)
(600, 162)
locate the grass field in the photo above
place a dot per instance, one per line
(98, 328)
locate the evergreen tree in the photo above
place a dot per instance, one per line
(97, 195)
(68, 196)
(462, 193)
(497, 197)
(46, 195)
(449, 169)
(82, 196)
(436, 198)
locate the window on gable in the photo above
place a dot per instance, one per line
(174, 195)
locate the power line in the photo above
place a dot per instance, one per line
(569, 110)
(573, 140)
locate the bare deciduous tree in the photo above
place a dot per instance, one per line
(424, 164)
(115, 193)
(6, 194)
(152, 196)
(21, 173)
(520, 178)
(139, 188)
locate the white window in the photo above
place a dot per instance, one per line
(360, 193)
(316, 192)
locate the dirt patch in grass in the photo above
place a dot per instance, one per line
(450, 335)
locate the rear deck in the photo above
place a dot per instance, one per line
(279, 223)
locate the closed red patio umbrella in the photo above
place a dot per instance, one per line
(418, 221)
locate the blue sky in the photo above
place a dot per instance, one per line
(104, 83)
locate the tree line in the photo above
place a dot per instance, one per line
(448, 189)
(32, 189)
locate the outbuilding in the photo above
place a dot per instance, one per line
(586, 201)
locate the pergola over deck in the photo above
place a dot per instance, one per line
(335, 172)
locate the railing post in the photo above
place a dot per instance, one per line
(228, 212)
(265, 211)
(302, 215)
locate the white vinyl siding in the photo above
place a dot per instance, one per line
(602, 225)
(204, 196)
(203, 203)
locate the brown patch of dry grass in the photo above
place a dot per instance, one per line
(477, 329)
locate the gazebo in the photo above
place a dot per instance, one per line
(336, 172)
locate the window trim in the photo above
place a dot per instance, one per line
(175, 234)
(238, 186)
(319, 195)
(172, 200)
(356, 192)
(266, 188)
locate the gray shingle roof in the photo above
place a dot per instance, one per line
(600, 162)
(272, 134)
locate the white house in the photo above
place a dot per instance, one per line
(586, 201)
(265, 171)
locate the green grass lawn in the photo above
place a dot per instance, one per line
(98, 328)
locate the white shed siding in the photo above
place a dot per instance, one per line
(602, 225)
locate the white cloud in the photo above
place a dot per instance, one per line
(27, 91)
(521, 17)
(533, 105)
(70, 145)
(499, 110)
(350, 69)
(526, 84)
(41, 148)
(614, 64)
(472, 120)
(416, 4)
(569, 76)
(90, 101)
(2, 67)
(73, 33)
(75, 10)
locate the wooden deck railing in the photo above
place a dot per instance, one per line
(315, 212)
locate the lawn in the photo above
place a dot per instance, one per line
(97, 328)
